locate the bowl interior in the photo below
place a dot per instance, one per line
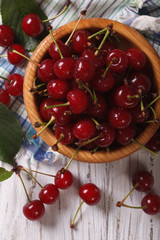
(130, 38)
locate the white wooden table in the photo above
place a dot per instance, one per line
(104, 221)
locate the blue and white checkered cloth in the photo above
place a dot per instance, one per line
(142, 15)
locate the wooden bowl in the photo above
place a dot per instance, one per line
(129, 35)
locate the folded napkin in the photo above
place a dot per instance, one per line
(142, 15)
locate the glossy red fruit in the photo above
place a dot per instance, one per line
(54, 52)
(98, 110)
(90, 193)
(45, 113)
(144, 179)
(4, 97)
(119, 118)
(152, 204)
(80, 41)
(15, 86)
(64, 68)
(154, 142)
(58, 89)
(126, 96)
(139, 116)
(32, 25)
(136, 57)
(119, 60)
(34, 210)
(78, 101)
(103, 84)
(140, 81)
(99, 60)
(49, 194)
(46, 70)
(15, 58)
(6, 35)
(63, 179)
(67, 131)
(84, 129)
(124, 136)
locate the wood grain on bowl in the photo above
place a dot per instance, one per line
(134, 39)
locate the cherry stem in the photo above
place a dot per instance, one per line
(122, 201)
(97, 33)
(125, 205)
(6, 79)
(55, 147)
(46, 174)
(50, 121)
(37, 124)
(22, 55)
(24, 187)
(101, 44)
(72, 223)
(58, 105)
(156, 120)
(90, 140)
(94, 150)
(83, 13)
(63, 10)
(50, 31)
(142, 146)
(32, 177)
(153, 101)
(107, 68)
(94, 97)
(134, 96)
(66, 167)
(98, 126)
(83, 85)
(3, 55)
(154, 113)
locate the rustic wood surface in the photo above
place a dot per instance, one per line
(101, 222)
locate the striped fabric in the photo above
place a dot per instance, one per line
(125, 11)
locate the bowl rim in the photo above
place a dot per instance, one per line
(29, 98)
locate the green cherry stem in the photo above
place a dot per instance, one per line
(55, 146)
(90, 140)
(83, 13)
(51, 32)
(153, 102)
(46, 174)
(125, 205)
(107, 68)
(32, 177)
(97, 33)
(142, 146)
(58, 105)
(122, 201)
(24, 186)
(66, 167)
(153, 111)
(3, 55)
(101, 44)
(50, 121)
(58, 15)
(72, 223)
(6, 79)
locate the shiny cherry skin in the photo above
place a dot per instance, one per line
(15, 86)
(67, 131)
(103, 84)
(63, 179)
(32, 25)
(49, 194)
(34, 210)
(137, 58)
(15, 58)
(6, 35)
(119, 118)
(138, 116)
(152, 203)
(90, 193)
(154, 142)
(144, 179)
(84, 129)
(46, 70)
(119, 60)
(45, 113)
(124, 136)
(98, 60)
(84, 69)
(54, 52)
(107, 47)
(126, 96)
(98, 110)
(64, 68)
(80, 41)
(58, 88)
(78, 101)
(4, 97)
(140, 81)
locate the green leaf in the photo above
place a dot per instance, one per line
(13, 11)
(11, 135)
(4, 174)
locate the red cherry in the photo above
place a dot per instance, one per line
(119, 60)
(90, 193)
(136, 58)
(124, 136)
(154, 142)
(144, 179)
(67, 131)
(119, 118)
(49, 194)
(46, 70)
(84, 129)
(140, 81)
(103, 84)
(57, 89)
(4, 97)
(80, 40)
(63, 68)
(63, 179)
(45, 113)
(152, 204)
(98, 60)
(54, 52)
(78, 101)
(32, 25)
(99, 109)
(6, 35)
(15, 58)
(139, 116)
(34, 210)
(15, 86)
